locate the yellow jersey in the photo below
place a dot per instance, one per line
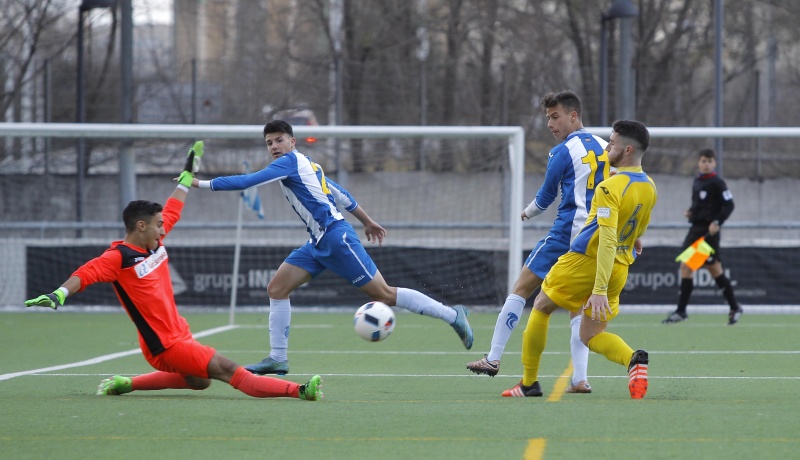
(623, 202)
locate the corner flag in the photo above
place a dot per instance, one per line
(250, 200)
(250, 196)
(696, 255)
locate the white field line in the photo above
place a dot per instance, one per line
(103, 358)
(48, 371)
(498, 376)
(217, 330)
(390, 352)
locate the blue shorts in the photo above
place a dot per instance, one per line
(339, 251)
(545, 255)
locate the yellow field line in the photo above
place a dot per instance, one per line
(536, 446)
(561, 384)
(535, 449)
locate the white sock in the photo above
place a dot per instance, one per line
(280, 316)
(579, 351)
(507, 321)
(417, 302)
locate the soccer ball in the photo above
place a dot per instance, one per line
(374, 321)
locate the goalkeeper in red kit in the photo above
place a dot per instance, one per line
(138, 269)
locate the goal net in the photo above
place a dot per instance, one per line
(449, 198)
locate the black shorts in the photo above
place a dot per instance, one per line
(702, 230)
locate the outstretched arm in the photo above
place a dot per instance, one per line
(192, 165)
(57, 297)
(174, 204)
(102, 269)
(372, 229)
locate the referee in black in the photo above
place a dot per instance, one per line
(712, 204)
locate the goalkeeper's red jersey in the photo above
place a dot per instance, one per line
(141, 280)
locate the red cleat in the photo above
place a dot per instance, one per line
(520, 391)
(637, 373)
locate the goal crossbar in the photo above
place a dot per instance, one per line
(128, 131)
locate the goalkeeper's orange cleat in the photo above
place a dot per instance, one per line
(637, 374)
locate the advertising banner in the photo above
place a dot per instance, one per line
(202, 276)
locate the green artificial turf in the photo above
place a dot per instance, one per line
(715, 392)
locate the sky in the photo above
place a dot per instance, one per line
(144, 12)
(152, 11)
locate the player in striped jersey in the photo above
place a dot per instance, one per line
(574, 168)
(590, 277)
(333, 245)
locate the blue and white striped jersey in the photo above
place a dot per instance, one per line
(312, 196)
(576, 166)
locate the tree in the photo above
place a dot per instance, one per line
(23, 24)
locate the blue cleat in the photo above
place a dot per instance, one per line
(462, 326)
(269, 366)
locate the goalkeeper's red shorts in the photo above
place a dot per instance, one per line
(187, 357)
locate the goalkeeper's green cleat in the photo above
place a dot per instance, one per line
(311, 390)
(115, 385)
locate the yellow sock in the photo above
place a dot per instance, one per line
(612, 347)
(534, 338)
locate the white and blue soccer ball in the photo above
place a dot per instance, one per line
(374, 321)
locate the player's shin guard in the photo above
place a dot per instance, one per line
(727, 290)
(612, 347)
(160, 381)
(579, 352)
(687, 285)
(507, 321)
(534, 339)
(259, 386)
(419, 303)
(280, 317)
